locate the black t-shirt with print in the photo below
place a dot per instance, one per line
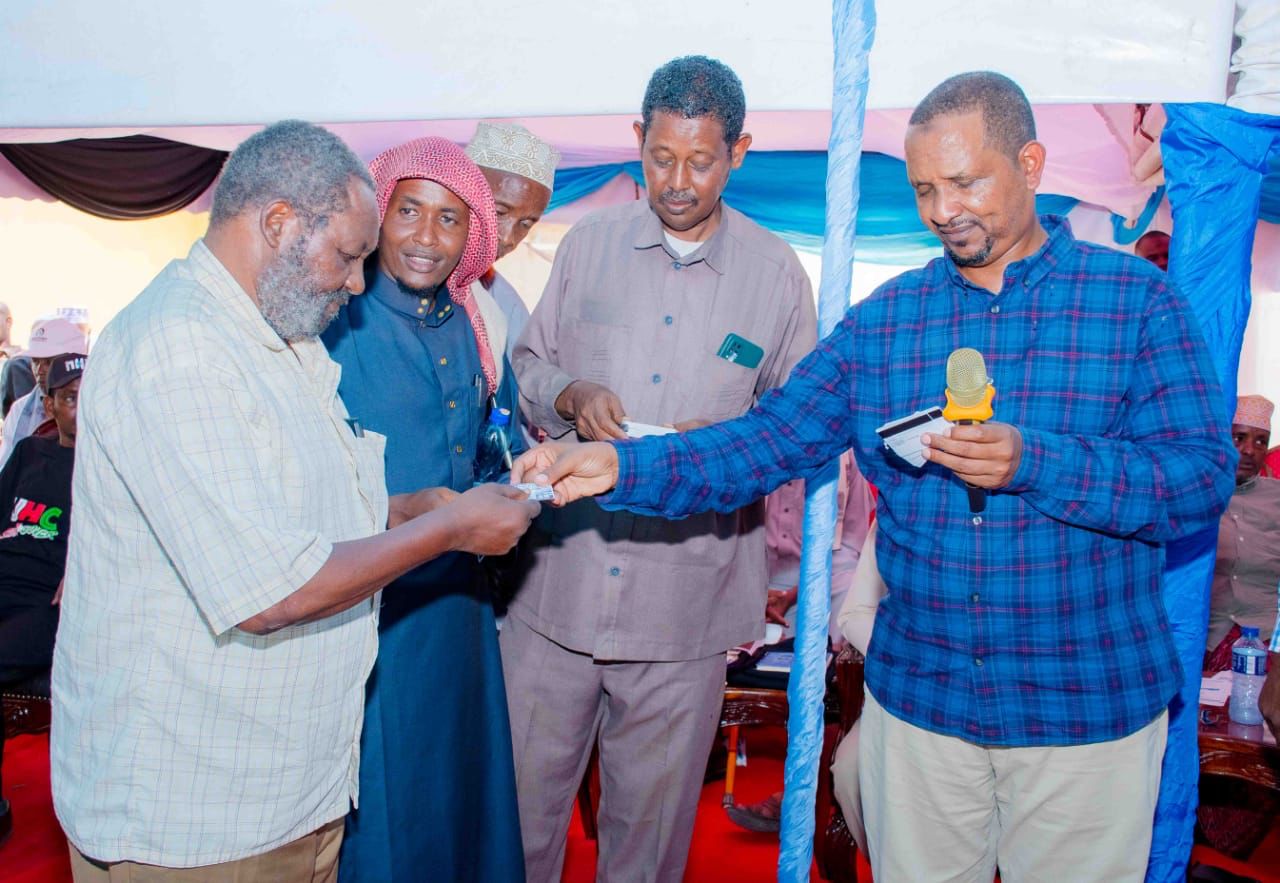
(35, 520)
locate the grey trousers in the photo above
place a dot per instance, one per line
(655, 722)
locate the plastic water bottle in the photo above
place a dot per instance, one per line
(1248, 671)
(493, 449)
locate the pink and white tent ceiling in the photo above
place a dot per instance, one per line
(210, 72)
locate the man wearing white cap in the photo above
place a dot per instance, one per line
(1247, 570)
(521, 171)
(1245, 576)
(49, 338)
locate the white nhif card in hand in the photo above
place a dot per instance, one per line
(644, 430)
(902, 436)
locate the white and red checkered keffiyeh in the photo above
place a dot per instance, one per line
(442, 161)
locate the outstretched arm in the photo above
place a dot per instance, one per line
(723, 467)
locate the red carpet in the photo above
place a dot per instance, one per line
(721, 850)
(37, 851)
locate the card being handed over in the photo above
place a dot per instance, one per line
(902, 436)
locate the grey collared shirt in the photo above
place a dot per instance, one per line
(623, 311)
(1247, 569)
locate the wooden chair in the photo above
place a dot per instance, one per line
(833, 846)
(26, 707)
(748, 707)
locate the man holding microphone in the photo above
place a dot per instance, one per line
(1022, 660)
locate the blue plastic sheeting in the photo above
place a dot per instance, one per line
(853, 28)
(1269, 209)
(1215, 160)
(785, 191)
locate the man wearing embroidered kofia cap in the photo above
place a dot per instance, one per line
(521, 171)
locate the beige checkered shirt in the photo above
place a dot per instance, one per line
(214, 471)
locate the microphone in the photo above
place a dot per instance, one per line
(969, 394)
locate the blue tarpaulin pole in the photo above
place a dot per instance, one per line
(1215, 158)
(853, 28)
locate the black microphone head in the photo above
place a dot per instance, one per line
(967, 377)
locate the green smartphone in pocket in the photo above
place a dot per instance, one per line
(740, 351)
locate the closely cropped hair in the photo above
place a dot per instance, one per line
(304, 165)
(1006, 113)
(696, 86)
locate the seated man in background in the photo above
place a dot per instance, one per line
(521, 171)
(1153, 247)
(35, 518)
(784, 528)
(1247, 570)
(1234, 816)
(49, 337)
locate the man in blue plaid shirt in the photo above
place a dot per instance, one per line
(1021, 665)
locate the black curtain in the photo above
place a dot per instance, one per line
(138, 176)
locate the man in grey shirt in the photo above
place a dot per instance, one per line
(676, 310)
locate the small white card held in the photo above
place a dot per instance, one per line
(642, 430)
(902, 436)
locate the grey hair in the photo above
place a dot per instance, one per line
(297, 162)
(1007, 120)
(696, 86)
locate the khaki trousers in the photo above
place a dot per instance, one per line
(844, 781)
(938, 808)
(654, 722)
(309, 859)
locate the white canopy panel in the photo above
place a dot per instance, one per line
(139, 63)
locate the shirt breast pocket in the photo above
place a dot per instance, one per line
(728, 390)
(595, 351)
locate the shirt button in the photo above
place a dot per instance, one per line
(657, 378)
(978, 662)
(457, 449)
(421, 311)
(615, 571)
(677, 265)
(974, 597)
(995, 309)
(443, 360)
(452, 403)
(668, 319)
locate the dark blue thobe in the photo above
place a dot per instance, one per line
(437, 788)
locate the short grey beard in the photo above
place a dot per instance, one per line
(290, 300)
(974, 260)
